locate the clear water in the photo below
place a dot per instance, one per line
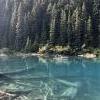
(38, 78)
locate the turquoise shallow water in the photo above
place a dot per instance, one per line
(38, 78)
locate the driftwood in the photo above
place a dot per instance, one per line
(6, 96)
(19, 95)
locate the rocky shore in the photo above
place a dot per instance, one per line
(58, 53)
(88, 55)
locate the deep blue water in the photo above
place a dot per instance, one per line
(39, 78)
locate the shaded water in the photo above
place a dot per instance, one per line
(36, 78)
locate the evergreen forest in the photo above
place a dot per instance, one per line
(31, 24)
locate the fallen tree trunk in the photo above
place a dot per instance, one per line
(6, 96)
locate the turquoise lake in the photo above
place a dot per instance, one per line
(39, 78)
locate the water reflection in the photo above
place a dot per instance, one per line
(36, 78)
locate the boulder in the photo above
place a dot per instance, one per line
(89, 55)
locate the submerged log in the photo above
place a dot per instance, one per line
(18, 93)
(6, 96)
(13, 95)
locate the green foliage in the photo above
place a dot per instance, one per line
(88, 50)
(97, 52)
(28, 45)
(34, 47)
(88, 36)
(56, 22)
(92, 50)
(63, 28)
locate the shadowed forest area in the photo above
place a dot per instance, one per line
(30, 24)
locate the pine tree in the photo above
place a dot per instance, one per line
(45, 27)
(52, 25)
(32, 24)
(88, 37)
(13, 23)
(83, 23)
(77, 36)
(69, 29)
(63, 28)
(39, 22)
(19, 28)
(7, 17)
(28, 45)
(95, 23)
(52, 31)
(44, 34)
(57, 24)
(25, 30)
(99, 28)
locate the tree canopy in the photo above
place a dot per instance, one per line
(71, 23)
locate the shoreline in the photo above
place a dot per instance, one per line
(89, 55)
(85, 55)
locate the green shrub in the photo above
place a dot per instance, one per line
(97, 52)
(34, 47)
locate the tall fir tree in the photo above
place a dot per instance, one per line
(13, 23)
(95, 23)
(69, 28)
(88, 35)
(52, 25)
(19, 28)
(83, 23)
(63, 28)
(77, 36)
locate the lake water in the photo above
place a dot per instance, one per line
(36, 78)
